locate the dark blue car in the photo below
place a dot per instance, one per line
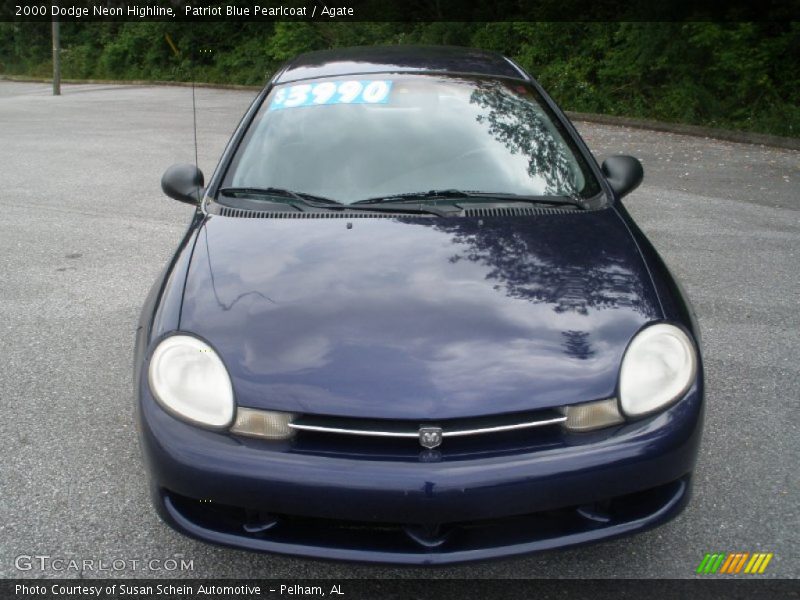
(412, 322)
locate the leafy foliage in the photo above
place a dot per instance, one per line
(734, 74)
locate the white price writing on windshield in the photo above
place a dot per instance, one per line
(374, 91)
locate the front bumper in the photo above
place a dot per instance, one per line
(614, 482)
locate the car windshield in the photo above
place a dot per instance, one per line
(366, 137)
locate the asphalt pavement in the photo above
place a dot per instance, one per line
(85, 230)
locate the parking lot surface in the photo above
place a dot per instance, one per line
(85, 230)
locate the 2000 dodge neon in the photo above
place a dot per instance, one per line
(411, 321)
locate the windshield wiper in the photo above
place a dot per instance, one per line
(327, 203)
(378, 207)
(452, 194)
(309, 199)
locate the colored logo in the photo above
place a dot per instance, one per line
(734, 563)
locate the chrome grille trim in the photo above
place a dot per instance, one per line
(499, 428)
(414, 433)
(371, 432)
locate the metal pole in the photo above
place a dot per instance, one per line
(56, 59)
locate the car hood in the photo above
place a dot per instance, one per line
(418, 318)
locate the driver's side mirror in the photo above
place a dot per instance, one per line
(183, 183)
(624, 173)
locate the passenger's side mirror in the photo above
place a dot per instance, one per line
(183, 183)
(624, 173)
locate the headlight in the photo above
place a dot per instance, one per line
(658, 367)
(188, 379)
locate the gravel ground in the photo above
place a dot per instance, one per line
(85, 231)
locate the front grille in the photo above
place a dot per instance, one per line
(462, 439)
(353, 447)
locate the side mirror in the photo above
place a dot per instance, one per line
(624, 173)
(183, 183)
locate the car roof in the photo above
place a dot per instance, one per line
(398, 59)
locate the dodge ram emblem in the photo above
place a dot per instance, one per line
(430, 437)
